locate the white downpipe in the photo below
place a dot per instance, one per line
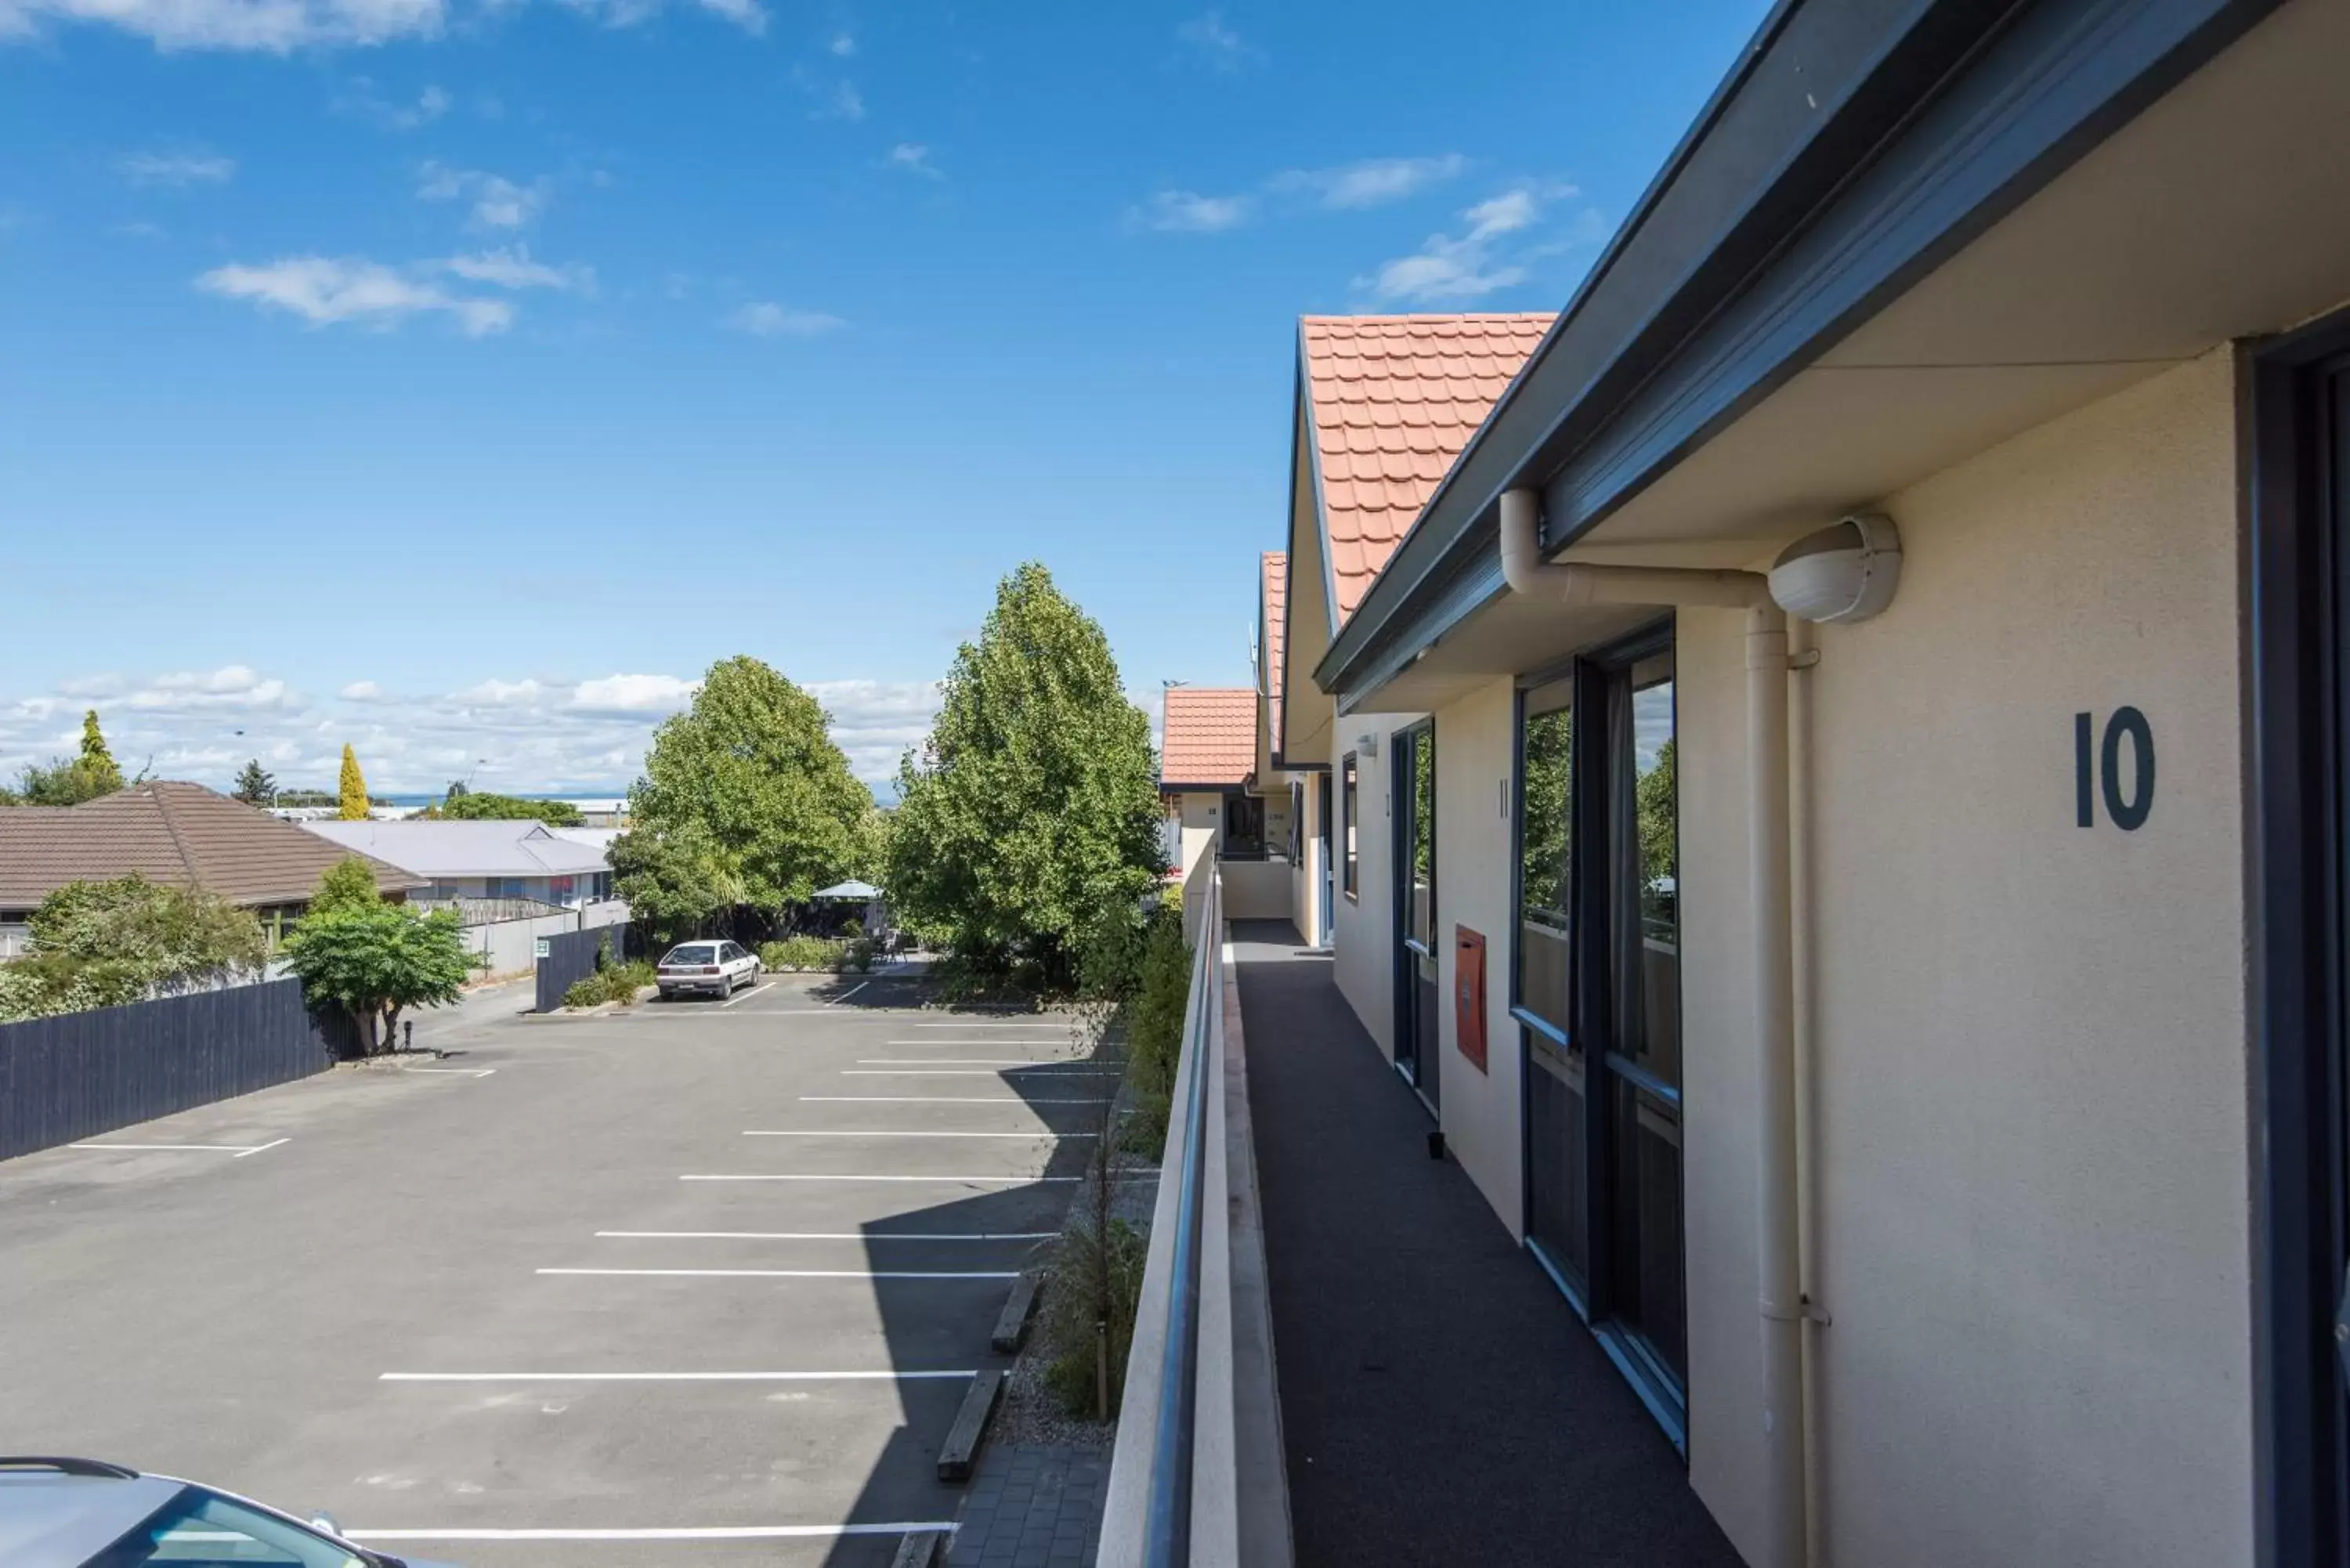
(1778, 1233)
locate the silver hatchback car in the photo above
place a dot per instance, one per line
(87, 1514)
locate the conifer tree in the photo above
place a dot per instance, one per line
(354, 788)
(96, 759)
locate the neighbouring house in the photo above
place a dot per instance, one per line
(465, 861)
(1746, 830)
(1218, 802)
(602, 811)
(174, 833)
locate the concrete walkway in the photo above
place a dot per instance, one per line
(1439, 1400)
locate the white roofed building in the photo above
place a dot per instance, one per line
(484, 859)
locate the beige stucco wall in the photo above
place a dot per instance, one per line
(1475, 754)
(2025, 1085)
(1306, 876)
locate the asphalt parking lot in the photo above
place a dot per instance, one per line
(695, 1284)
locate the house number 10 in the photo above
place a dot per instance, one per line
(2097, 769)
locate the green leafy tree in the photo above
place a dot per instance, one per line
(1655, 801)
(352, 798)
(67, 781)
(348, 883)
(476, 806)
(377, 959)
(1033, 808)
(745, 800)
(101, 944)
(255, 786)
(1549, 745)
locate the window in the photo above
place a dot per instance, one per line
(202, 1530)
(1546, 773)
(1347, 800)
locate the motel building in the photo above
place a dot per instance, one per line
(1820, 767)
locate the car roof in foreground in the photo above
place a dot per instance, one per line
(50, 1519)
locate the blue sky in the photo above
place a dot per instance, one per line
(461, 379)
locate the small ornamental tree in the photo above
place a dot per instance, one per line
(353, 797)
(348, 883)
(254, 786)
(377, 959)
(1034, 810)
(96, 758)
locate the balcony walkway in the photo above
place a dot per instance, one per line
(1439, 1401)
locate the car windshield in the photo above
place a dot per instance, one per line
(701, 953)
(199, 1527)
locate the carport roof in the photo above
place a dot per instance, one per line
(178, 833)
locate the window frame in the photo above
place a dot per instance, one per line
(1350, 802)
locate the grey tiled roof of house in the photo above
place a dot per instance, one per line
(169, 832)
(461, 849)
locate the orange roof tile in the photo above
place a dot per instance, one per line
(1395, 399)
(1210, 737)
(1274, 569)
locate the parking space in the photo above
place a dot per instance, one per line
(678, 1286)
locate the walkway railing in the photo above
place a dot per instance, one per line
(1196, 1476)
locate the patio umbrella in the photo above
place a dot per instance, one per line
(853, 892)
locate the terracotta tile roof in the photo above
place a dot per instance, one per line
(1274, 569)
(1395, 399)
(181, 834)
(1211, 736)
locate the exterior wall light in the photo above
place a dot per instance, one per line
(1844, 572)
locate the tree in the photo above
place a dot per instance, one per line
(254, 786)
(101, 944)
(1657, 806)
(348, 883)
(353, 798)
(95, 757)
(745, 800)
(67, 781)
(1035, 808)
(478, 805)
(376, 959)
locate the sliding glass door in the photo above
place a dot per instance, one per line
(1418, 991)
(1597, 999)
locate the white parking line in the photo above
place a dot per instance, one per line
(792, 1274)
(844, 995)
(956, 1061)
(833, 1235)
(461, 1072)
(998, 1044)
(959, 1180)
(235, 1150)
(965, 1073)
(679, 1532)
(942, 1100)
(876, 1132)
(890, 1377)
(741, 995)
(1028, 1022)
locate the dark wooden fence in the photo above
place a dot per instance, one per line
(83, 1073)
(571, 958)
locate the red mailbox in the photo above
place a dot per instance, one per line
(1469, 994)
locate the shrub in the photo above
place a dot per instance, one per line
(1094, 1282)
(800, 952)
(614, 982)
(1154, 1026)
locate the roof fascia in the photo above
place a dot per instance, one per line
(1945, 117)
(1305, 447)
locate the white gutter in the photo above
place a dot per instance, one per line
(1777, 1231)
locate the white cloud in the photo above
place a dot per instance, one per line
(512, 268)
(843, 45)
(502, 694)
(91, 686)
(835, 98)
(177, 170)
(747, 15)
(1371, 183)
(1491, 253)
(765, 318)
(498, 203)
(1189, 213)
(914, 158)
(1214, 41)
(324, 290)
(274, 27)
(362, 691)
(362, 101)
(634, 694)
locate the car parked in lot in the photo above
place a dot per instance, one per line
(706, 968)
(88, 1513)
